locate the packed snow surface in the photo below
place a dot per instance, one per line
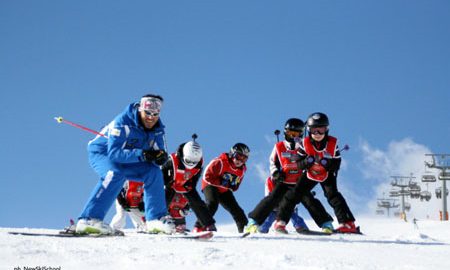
(386, 244)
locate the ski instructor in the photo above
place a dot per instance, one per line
(132, 147)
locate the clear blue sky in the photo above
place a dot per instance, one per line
(229, 70)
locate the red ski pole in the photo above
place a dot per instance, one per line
(62, 120)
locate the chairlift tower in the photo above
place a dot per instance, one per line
(406, 189)
(441, 162)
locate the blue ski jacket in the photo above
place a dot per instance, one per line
(126, 138)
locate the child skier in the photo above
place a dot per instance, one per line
(130, 201)
(284, 173)
(222, 177)
(181, 174)
(320, 157)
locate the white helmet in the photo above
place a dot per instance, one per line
(192, 154)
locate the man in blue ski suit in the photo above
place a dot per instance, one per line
(133, 147)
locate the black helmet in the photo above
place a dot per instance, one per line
(241, 149)
(293, 124)
(317, 119)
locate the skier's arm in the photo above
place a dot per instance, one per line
(212, 174)
(168, 171)
(116, 146)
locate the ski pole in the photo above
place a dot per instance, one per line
(62, 120)
(277, 133)
(345, 148)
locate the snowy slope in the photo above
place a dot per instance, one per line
(387, 244)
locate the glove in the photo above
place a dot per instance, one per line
(121, 198)
(184, 212)
(188, 186)
(325, 162)
(307, 162)
(141, 207)
(278, 177)
(158, 156)
(331, 165)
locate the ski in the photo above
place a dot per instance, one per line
(358, 231)
(196, 236)
(68, 234)
(310, 232)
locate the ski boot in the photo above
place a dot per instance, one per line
(280, 227)
(327, 227)
(210, 228)
(181, 228)
(301, 229)
(251, 227)
(164, 225)
(347, 227)
(93, 226)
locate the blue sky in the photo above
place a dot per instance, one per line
(231, 71)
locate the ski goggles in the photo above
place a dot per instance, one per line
(293, 133)
(190, 163)
(240, 157)
(318, 130)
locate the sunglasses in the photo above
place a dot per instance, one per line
(240, 157)
(152, 114)
(318, 130)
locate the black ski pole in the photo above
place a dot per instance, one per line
(277, 133)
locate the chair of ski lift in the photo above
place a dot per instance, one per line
(407, 206)
(404, 193)
(393, 193)
(385, 204)
(412, 184)
(414, 190)
(425, 195)
(444, 176)
(438, 192)
(428, 178)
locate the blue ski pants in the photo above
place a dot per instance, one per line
(112, 178)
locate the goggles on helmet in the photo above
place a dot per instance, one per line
(318, 130)
(190, 163)
(240, 157)
(293, 133)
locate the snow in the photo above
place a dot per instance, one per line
(387, 244)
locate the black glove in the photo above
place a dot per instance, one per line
(158, 156)
(278, 177)
(121, 198)
(141, 207)
(227, 179)
(307, 162)
(330, 164)
(325, 162)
